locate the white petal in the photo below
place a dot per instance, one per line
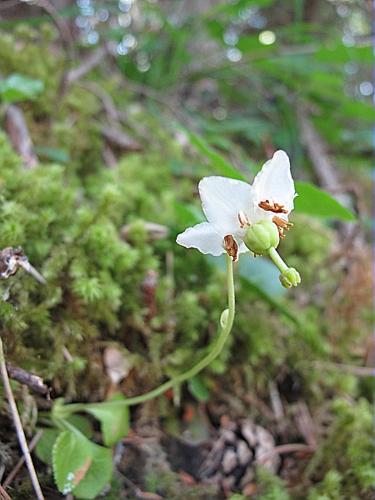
(274, 182)
(204, 237)
(260, 215)
(222, 200)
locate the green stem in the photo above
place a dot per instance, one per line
(277, 260)
(213, 353)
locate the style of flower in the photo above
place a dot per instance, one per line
(232, 207)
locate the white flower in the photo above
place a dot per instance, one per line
(231, 206)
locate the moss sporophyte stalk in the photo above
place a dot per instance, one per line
(241, 218)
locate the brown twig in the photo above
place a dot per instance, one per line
(306, 424)
(109, 157)
(13, 473)
(34, 382)
(3, 494)
(154, 231)
(360, 371)
(276, 403)
(61, 25)
(18, 425)
(87, 65)
(139, 494)
(112, 131)
(149, 287)
(11, 259)
(286, 448)
(116, 137)
(324, 168)
(16, 127)
(104, 97)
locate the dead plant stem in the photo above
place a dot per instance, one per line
(18, 425)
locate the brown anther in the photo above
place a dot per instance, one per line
(231, 247)
(272, 207)
(282, 225)
(243, 219)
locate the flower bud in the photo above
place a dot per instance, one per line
(262, 236)
(290, 277)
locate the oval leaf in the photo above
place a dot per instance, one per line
(114, 421)
(314, 201)
(43, 449)
(80, 465)
(98, 475)
(198, 389)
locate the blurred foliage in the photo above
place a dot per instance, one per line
(204, 88)
(18, 88)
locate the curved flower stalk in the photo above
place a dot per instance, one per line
(243, 217)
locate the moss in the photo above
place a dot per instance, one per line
(329, 488)
(344, 460)
(28, 51)
(270, 487)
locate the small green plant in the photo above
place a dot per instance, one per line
(20, 88)
(79, 464)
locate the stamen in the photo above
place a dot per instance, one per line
(282, 225)
(272, 207)
(243, 219)
(231, 247)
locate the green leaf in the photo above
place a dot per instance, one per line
(259, 276)
(231, 9)
(80, 466)
(253, 128)
(198, 389)
(187, 214)
(45, 444)
(218, 162)
(262, 274)
(314, 201)
(81, 423)
(53, 154)
(20, 88)
(251, 44)
(357, 109)
(339, 54)
(43, 449)
(98, 475)
(114, 421)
